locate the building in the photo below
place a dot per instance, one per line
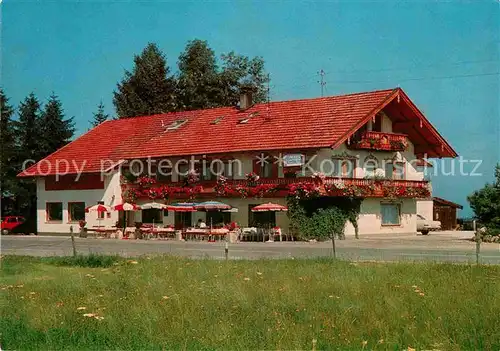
(446, 212)
(368, 145)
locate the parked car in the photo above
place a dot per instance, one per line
(424, 225)
(10, 223)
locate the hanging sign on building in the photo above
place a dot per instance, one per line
(293, 160)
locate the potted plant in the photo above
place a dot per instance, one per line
(138, 231)
(83, 230)
(252, 178)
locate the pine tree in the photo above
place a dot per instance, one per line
(99, 116)
(56, 131)
(27, 130)
(28, 143)
(7, 146)
(198, 86)
(149, 88)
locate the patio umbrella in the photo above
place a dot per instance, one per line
(99, 208)
(154, 205)
(212, 206)
(125, 207)
(182, 207)
(269, 207)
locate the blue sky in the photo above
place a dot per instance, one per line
(444, 55)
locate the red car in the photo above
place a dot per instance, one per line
(11, 222)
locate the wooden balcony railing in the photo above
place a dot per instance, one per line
(381, 141)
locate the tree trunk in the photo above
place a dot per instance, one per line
(333, 246)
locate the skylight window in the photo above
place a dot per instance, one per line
(176, 124)
(217, 120)
(248, 118)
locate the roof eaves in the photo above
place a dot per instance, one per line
(428, 123)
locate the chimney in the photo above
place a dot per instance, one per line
(246, 98)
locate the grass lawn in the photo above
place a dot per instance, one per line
(175, 303)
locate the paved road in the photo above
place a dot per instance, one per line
(436, 247)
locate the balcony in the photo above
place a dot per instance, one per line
(380, 141)
(303, 187)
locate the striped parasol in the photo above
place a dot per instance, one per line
(182, 207)
(126, 207)
(269, 207)
(98, 208)
(154, 205)
(212, 206)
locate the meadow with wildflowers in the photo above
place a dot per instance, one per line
(176, 303)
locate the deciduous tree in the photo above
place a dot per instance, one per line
(485, 203)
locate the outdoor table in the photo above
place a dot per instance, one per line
(195, 232)
(159, 231)
(217, 233)
(106, 231)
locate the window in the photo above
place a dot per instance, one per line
(398, 170)
(370, 166)
(217, 120)
(183, 172)
(343, 168)
(76, 211)
(245, 120)
(164, 173)
(390, 214)
(54, 211)
(389, 167)
(152, 215)
(176, 124)
(265, 170)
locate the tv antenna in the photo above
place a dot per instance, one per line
(322, 82)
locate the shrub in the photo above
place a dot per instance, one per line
(91, 261)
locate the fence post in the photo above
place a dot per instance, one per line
(226, 249)
(333, 245)
(72, 241)
(478, 241)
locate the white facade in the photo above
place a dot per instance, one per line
(369, 222)
(110, 195)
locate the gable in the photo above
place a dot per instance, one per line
(407, 119)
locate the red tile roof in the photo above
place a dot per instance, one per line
(296, 124)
